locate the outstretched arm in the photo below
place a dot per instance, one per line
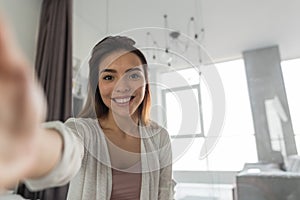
(26, 149)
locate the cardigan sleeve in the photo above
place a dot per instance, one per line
(70, 163)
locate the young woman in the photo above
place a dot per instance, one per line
(113, 151)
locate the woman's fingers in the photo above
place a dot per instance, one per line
(23, 104)
(9, 51)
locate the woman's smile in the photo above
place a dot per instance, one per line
(123, 101)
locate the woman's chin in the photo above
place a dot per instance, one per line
(123, 110)
(125, 115)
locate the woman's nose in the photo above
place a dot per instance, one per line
(123, 86)
(123, 89)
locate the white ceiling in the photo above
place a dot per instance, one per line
(231, 26)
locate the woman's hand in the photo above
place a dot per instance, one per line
(22, 109)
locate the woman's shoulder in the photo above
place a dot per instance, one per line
(154, 126)
(83, 126)
(81, 122)
(80, 119)
(158, 132)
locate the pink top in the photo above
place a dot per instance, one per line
(126, 185)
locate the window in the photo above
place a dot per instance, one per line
(182, 102)
(237, 143)
(291, 71)
(183, 115)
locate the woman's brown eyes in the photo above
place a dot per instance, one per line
(108, 77)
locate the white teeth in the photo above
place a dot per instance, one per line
(122, 100)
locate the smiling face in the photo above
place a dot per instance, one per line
(122, 83)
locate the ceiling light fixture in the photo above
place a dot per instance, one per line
(176, 42)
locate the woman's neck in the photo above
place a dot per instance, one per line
(127, 125)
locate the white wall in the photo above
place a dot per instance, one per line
(23, 17)
(88, 31)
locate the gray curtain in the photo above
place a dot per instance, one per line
(54, 57)
(54, 69)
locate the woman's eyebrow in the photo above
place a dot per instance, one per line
(133, 69)
(109, 70)
(115, 71)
